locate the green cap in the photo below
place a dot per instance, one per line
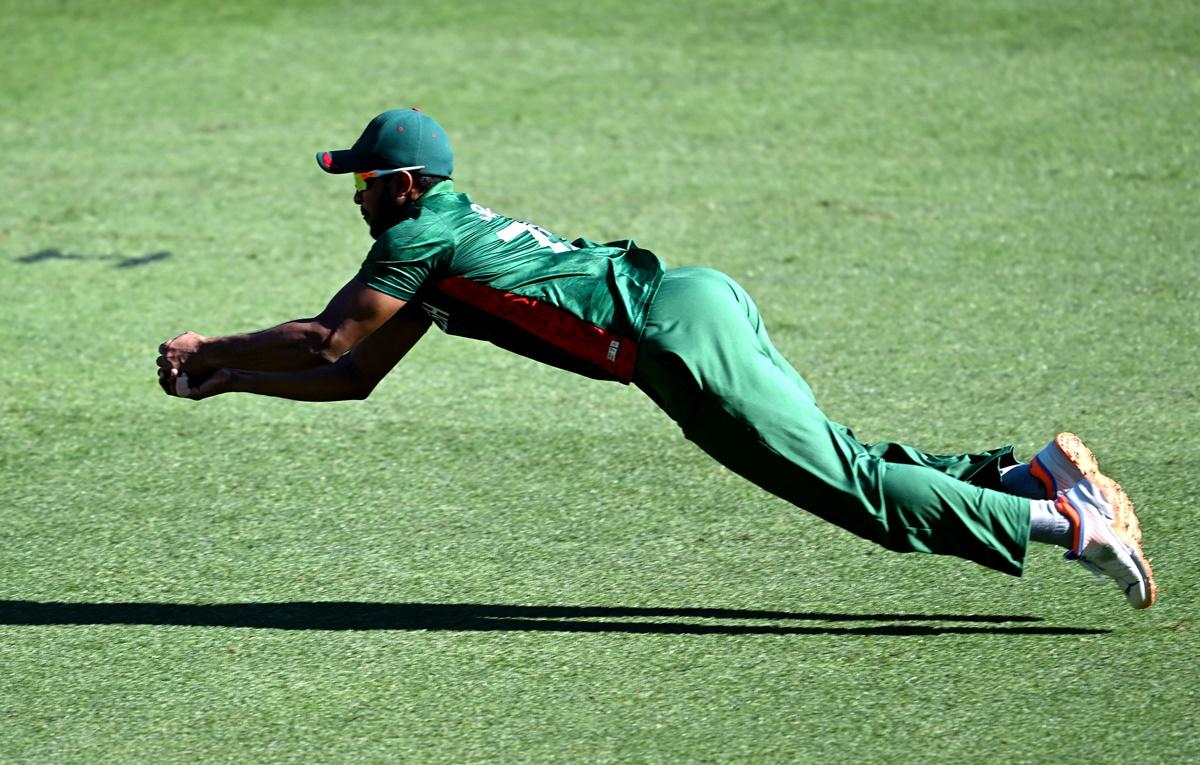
(396, 138)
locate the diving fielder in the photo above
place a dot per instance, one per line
(690, 338)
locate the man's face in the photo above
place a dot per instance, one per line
(378, 205)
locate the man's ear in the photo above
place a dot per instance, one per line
(402, 186)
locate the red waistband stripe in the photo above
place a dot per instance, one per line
(608, 351)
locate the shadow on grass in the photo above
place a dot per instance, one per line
(120, 261)
(476, 617)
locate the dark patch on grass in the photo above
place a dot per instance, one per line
(122, 261)
(476, 617)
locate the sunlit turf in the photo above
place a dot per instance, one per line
(966, 225)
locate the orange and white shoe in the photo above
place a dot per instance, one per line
(1107, 538)
(1063, 463)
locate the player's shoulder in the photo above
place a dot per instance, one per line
(446, 203)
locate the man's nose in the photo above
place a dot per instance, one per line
(357, 197)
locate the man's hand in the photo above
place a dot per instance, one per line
(220, 381)
(180, 353)
(196, 387)
(177, 356)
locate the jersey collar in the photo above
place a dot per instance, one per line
(445, 187)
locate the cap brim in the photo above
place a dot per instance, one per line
(344, 161)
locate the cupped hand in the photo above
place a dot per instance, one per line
(181, 353)
(195, 387)
(220, 381)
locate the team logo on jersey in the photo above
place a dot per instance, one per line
(484, 213)
(613, 347)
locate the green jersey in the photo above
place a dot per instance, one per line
(576, 305)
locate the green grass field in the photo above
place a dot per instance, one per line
(966, 224)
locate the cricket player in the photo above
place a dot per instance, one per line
(690, 338)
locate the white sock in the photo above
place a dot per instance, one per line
(1047, 525)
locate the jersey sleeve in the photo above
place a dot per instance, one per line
(406, 256)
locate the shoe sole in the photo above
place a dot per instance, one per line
(1127, 527)
(1074, 451)
(1079, 455)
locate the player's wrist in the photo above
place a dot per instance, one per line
(242, 381)
(207, 351)
(208, 354)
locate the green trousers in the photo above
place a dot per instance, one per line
(706, 360)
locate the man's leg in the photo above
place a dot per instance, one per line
(981, 469)
(706, 359)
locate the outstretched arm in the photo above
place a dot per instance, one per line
(353, 376)
(354, 313)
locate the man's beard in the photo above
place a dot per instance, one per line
(387, 216)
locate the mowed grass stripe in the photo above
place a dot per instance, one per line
(967, 227)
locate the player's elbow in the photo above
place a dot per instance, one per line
(367, 384)
(326, 355)
(321, 345)
(359, 383)
(359, 388)
(362, 392)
